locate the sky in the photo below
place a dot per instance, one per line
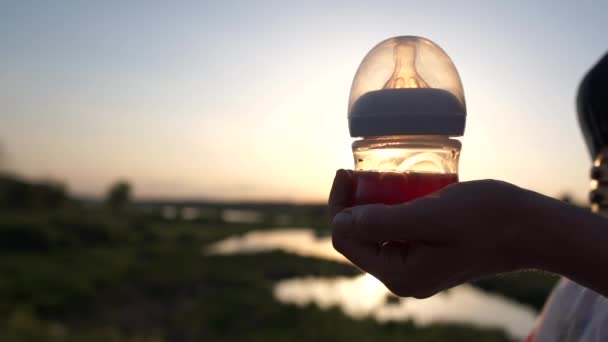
(248, 99)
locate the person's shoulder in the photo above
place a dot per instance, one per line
(573, 313)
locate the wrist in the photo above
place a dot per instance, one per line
(567, 239)
(526, 234)
(547, 232)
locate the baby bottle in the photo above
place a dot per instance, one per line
(406, 105)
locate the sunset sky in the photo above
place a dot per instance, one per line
(248, 99)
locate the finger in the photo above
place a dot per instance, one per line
(363, 254)
(407, 269)
(397, 274)
(418, 270)
(410, 221)
(380, 260)
(434, 269)
(341, 192)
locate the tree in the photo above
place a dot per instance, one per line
(119, 195)
(16, 193)
(48, 194)
(2, 158)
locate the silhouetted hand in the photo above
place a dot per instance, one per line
(462, 232)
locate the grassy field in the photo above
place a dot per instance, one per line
(89, 273)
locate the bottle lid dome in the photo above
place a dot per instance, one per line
(406, 86)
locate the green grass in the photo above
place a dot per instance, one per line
(89, 275)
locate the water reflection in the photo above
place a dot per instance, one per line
(302, 242)
(363, 295)
(241, 216)
(187, 213)
(357, 296)
(169, 212)
(190, 213)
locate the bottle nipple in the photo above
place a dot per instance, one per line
(405, 75)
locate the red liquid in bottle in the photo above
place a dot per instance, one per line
(397, 187)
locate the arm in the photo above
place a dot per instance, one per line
(576, 243)
(466, 231)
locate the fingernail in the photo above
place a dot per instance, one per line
(344, 219)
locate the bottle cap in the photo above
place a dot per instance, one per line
(406, 86)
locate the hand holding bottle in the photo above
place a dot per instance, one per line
(466, 231)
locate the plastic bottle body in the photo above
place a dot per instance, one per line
(397, 169)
